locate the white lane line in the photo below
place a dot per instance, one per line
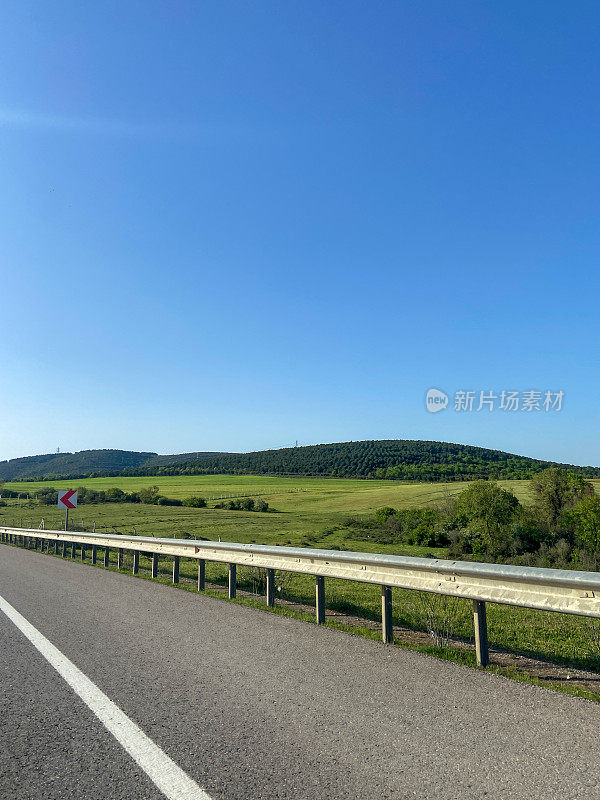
(172, 781)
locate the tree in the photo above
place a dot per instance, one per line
(585, 520)
(486, 511)
(556, 490)
(149, 494)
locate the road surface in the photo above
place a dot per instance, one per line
(251, 705)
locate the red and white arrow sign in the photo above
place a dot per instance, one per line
(67, 498)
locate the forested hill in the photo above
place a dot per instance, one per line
(396, 459)
(88, 462)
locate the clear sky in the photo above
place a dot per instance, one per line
(231, 225)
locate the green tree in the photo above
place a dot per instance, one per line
(585, 521)
(556, 490)
(485, 512)
(149, 494)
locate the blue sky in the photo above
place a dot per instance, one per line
(231, 225)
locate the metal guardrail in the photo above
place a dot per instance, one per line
(567, 591)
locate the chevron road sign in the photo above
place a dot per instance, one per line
(67, 499)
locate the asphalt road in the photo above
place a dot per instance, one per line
(253, 705)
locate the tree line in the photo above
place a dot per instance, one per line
(149, 495)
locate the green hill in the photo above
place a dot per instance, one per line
(396, 459)
(392, 459)
(88, 462)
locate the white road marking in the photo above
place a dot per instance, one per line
(172, 781)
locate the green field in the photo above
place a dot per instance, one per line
(309, 512)
(345, 495)
(305, 511)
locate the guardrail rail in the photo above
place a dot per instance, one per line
(566, 591)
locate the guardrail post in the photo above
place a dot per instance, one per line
(120, 558)
(56, 546)
(83, 552)
(232, 586)
(175, 569)
(106, 561)
(387, 629)
(135, 567)
(201, 574)
(74, 550)
(320, 599)
(94, 553)
(481, 639)
(36, 543)
(154, 565)
(270, 587)
(64, 550)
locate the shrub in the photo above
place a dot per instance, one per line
(149, 494)
(382, 514)
(168, 501)
(194, 502)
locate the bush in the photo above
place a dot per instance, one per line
(382, 514)
(245, 504)
(149, 494)
(168, 501)
(47, 497)
(194, 502)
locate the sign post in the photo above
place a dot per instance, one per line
(67, 498)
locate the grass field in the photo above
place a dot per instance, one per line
(293, 494)
(311, 513)
(306, 511)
